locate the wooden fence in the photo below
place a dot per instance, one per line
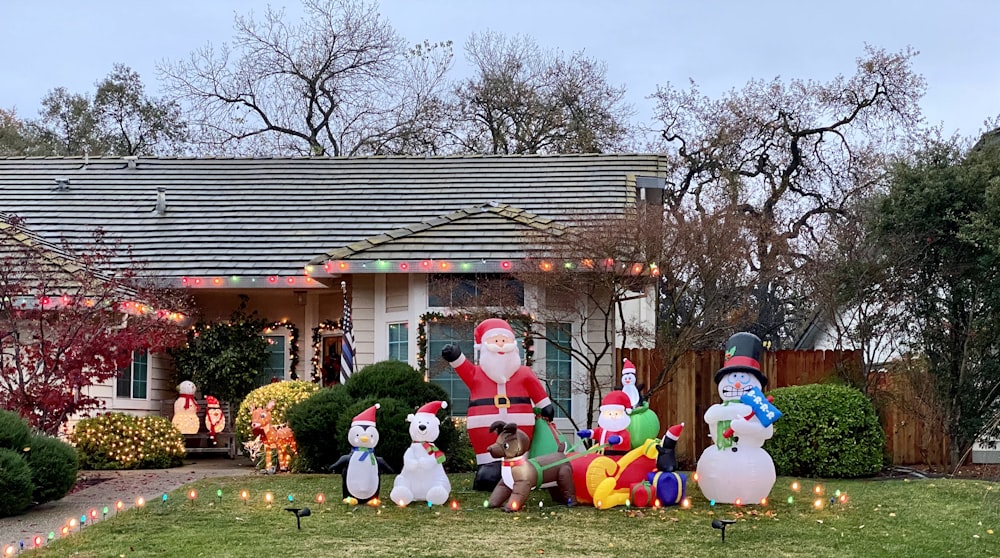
(692, 390)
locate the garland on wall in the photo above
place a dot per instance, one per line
(317, 340)
(515, 320)
(293, 344)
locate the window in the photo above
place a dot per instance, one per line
(132, 380)
(399, 341)
(559, 366)
(449, 290)
(276, 351)
(439, 334)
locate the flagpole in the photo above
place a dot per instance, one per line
(347, 341)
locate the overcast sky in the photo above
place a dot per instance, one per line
(720, 44)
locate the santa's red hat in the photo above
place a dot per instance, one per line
(490, 327)
(628, 367)
(366, 417)
(616, 399)
(211, 401)
(433, 407)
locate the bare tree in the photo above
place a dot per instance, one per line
(524, 100)
(341, 82)
(705, 285)
(788, 157)
(583, 277)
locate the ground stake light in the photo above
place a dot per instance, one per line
(299, 514)
(721, 525)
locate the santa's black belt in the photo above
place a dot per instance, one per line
(500, 401)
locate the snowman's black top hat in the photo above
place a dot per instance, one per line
(743, 354)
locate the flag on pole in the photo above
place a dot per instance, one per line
(347, 342)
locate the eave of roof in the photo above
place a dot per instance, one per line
(262, 220)
(454, 242)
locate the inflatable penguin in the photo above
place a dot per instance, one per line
(629, 385)
(361, 469)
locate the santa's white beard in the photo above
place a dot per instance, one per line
(614, 425)
(499, 367)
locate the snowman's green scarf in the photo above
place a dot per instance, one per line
(721, 442)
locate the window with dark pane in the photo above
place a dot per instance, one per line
(450, 290)
(439, 334)
(132, 380)
(559, 366)
(276, 351)
(399, 341)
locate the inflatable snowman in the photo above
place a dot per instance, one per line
(735, 468)
(423, 477)
(186, 409)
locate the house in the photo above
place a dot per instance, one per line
(303, 236)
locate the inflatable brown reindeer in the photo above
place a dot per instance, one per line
(519, 475)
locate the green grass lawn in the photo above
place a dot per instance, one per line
(895, 518)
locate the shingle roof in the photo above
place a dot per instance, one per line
(263, 217)
(503, 229)
(62, 272)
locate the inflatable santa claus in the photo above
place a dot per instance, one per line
(612, 425)
(500, 389)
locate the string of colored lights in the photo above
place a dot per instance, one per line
(92, 515)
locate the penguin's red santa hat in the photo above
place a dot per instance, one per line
(628, 367)
(674, 432)
(616, 400)
(433, 407)
(211, 401)
(366, 417)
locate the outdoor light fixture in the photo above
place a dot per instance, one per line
(299, 514)
(721, 525)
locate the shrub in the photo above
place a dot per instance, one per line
(121, 441)
(284, 394)
(14, 431)
(829, 431)
(54, 466)
(461, 456)
(225, 358)
(314, 421)
(400, 381)
(15, 483)
(392, 378)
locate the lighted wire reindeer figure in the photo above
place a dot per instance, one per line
(281, 439)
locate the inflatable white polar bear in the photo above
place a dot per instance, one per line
(423, 477)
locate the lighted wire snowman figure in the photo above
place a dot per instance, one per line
(736, 469)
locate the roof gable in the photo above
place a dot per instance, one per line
(486, 232)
